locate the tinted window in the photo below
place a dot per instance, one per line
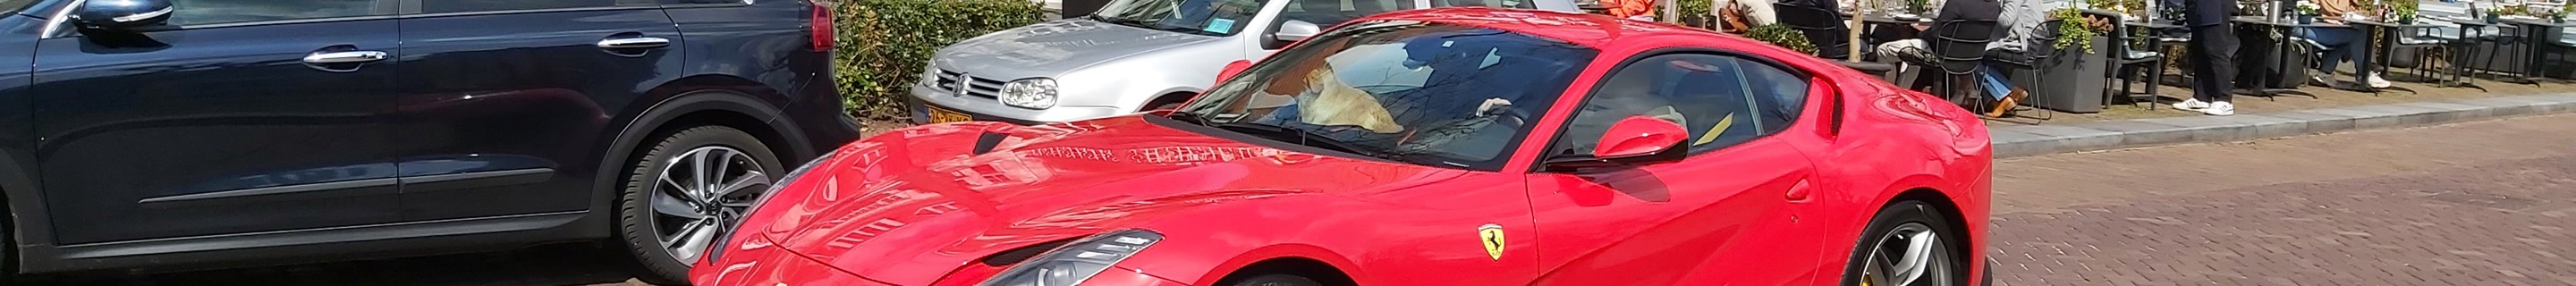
(454, 6)
(1326, 13)
(12, 6)
(201, 12)
(1781, 95)
(1707, 94)
(1428, 94)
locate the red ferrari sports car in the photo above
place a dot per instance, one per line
(1454, 146)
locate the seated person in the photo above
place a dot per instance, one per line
(2341, 43)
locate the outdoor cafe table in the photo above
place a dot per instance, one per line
(2384, 37)
(2377, 33)
(2280, 56)
(2467, 50)
(2535, 34)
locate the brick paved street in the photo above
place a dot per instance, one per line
(2481, 203)
(2484, 203)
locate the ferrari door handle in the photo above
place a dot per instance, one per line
(1798, 192)
(634, 43)
(348, 57)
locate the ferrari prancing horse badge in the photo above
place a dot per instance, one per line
(1493, 238)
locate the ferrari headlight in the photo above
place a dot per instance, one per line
(1077, 261)
(1035, 93)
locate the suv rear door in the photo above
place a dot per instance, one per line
(237, 116)
(506, 99)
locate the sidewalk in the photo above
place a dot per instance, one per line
(2023, 140)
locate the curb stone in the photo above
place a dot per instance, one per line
(2029, 140)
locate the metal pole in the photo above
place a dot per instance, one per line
(1852, 54)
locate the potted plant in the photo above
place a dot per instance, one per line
(2307, 12)
(1695, 13)
(2402, 11)
(1783, 36)
(2560, 15)
(2071, 71)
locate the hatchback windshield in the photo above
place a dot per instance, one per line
(1227, 17)
(1206, 17)
(1422, 93)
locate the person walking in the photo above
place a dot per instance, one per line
(2213, 61)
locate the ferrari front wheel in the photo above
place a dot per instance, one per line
(1908, 244)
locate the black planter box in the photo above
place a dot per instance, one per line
(2071, 81)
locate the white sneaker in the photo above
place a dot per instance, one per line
(2376, 82)
(2191, 104)
(2221, 108)
(2320, 80)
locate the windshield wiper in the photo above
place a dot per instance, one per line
(1192, 118)
(1291, 136)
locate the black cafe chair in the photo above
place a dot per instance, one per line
(1958, 51)
(2138, 60)
(1824, 29)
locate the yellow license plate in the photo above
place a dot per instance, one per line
(938, 115)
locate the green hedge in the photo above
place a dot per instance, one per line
(884, 43)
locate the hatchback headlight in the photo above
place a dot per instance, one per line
(1077, 261)
(1035, 93)
(930, 75)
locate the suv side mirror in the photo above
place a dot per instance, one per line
(1636, 140)
(1293, 31)
(122, 14)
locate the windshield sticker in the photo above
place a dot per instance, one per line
(1220, 25)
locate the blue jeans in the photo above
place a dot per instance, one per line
(2342, 44)
(1994, 81)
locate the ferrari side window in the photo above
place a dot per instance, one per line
(1781, 95)
(1706, 94)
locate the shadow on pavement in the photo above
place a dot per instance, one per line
(571, 264)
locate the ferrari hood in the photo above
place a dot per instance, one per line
(912, 205)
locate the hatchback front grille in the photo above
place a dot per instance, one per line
(978, 87)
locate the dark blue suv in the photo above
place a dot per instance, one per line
(142, 134)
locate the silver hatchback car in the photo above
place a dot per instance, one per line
(1131, 56)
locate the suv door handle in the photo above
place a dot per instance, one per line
(634, 43)
(348, 57)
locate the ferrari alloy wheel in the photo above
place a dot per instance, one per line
(685, 193)
(1907, 244)
(1907, 256)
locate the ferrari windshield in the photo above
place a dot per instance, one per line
(1423, 93)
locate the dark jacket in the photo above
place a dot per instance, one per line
(1958, 10)
(2201, 13)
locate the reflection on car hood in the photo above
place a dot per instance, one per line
(1053, 48)
(912, 205)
